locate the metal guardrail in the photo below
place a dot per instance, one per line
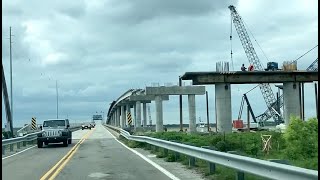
(254, 166)
(28, 137)
(24, 139)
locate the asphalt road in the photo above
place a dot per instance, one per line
(93, 154)
(102, 157)
(34, 163)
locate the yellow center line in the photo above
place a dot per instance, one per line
(59, 166)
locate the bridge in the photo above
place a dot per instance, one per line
(98, 153)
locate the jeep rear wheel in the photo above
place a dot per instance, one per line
(40, 144)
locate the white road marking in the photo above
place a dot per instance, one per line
(164, 171)
(18, 152)
(152, 155)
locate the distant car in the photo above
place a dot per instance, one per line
(55, 131)
(86, 126)
(93, 124)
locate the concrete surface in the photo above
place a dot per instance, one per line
(176, 90)
(250, 77)
(146, 98)
(223, 107)
(291, 101)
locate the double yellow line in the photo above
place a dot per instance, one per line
(55, 170)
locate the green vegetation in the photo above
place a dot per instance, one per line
(298, 145)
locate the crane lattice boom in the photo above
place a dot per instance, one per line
(253, 59)
(313, 66)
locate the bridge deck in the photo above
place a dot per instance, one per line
(250, 77)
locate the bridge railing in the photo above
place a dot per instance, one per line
(262, 168)
(22, 141)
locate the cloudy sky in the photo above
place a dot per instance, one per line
(98, 49)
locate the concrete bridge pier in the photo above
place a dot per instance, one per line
(127, 111)
(159, 113)
(192, 113)
(118, 117)
(223, 107)
(191, 91)
(134, 117)
(112, 119)
(144, 110)
(123, 117)
(138, 114)
(291, 100)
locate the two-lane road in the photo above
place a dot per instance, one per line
(99, 156)
(93, 154)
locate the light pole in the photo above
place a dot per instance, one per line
(180, 106)
(57, 99)
(11, 124)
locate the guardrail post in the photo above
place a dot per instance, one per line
(165, 152)
(3, 150)
(18, 145)
(148, 146)
(192, 161)
(11, 147)
(176, 156)
(24, 143)
(212, 166)
(239, 174)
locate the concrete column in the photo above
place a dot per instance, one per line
(138, 114)
(134, 115)
(144, 107)
(118, 117)
(123, 118)
(223, 107)
(192, 113)
(159, 114)
(111, 122)
(291, 101)
(127, 110)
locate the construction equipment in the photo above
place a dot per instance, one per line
(262, 117)
(253, 58)
(313, 66)
(245, 99)
(272, 66)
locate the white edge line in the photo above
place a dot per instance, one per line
(164, 171)
(19, 152)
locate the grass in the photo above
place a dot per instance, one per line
(246, 143)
